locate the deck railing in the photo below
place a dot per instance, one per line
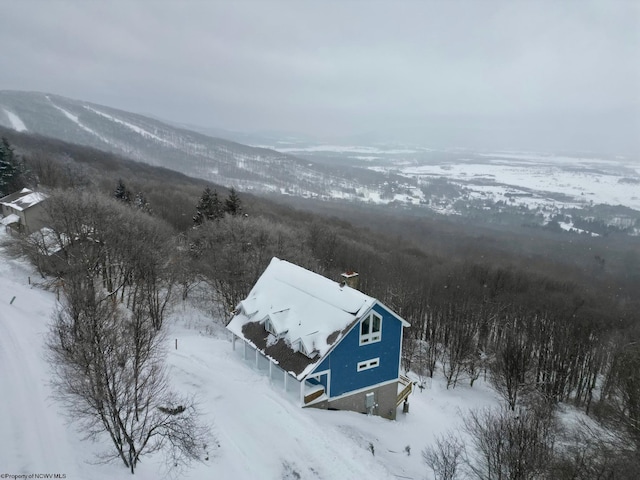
(406, 391)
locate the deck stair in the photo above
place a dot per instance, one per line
(406, 391)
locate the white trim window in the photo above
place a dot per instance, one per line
(367, 364)
(269, 327)
(370, 329)
(299, 347)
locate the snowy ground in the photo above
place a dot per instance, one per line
(261, 431)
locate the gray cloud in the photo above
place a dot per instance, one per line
(536, 75)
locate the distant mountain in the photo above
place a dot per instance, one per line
(570, 192)
(158, 143)
(254, 139)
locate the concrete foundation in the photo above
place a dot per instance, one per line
(385, 400)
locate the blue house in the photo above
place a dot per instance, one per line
(339, 347)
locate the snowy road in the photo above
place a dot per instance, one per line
(33, 435)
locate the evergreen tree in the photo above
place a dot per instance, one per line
(209, 207)
(232, 204)
(121, 192)
(13, 173)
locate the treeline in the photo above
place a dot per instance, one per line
(609, 264)
(13, 172)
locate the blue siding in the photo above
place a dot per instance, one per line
(343, 360)
(322, 381)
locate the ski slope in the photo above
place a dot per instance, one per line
(76, 120)
(260, 431)
(16, 122)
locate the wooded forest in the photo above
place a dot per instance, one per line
(534, 313)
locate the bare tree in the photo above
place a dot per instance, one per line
(511, 368)
(232, 253)
(621, 407)
(510, 445)
(128, 253)
(109, 373)
(459, 348)
(590, 451)
(445, 457)
(105, 340)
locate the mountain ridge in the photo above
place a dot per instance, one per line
(161, 144)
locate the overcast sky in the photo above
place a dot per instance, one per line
(553, 75)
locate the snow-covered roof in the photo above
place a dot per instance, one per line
(48, 241)
(9, 219)
(23, 199)
(303, 307)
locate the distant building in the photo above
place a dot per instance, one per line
(337, 347)
(23, 212)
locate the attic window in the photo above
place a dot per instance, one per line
(268, 326)
(298, 346)
(371, 329)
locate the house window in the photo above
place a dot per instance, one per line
(371, 329)
(300, 348)
(367, 364)
(268, 326)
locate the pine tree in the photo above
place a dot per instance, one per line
(121, 192)
(232, 204)
(13, 173)
(209, 207)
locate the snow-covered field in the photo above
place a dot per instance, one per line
(582, 180)
(262, 433)
(537, 181)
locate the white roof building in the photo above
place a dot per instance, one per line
(340, 345)
(22, 211)
(305, 311)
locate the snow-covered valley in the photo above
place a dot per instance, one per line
(541, 186)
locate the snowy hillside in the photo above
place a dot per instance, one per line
(157, 143)
(261, 431)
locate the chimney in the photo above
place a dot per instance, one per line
(350, 279)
